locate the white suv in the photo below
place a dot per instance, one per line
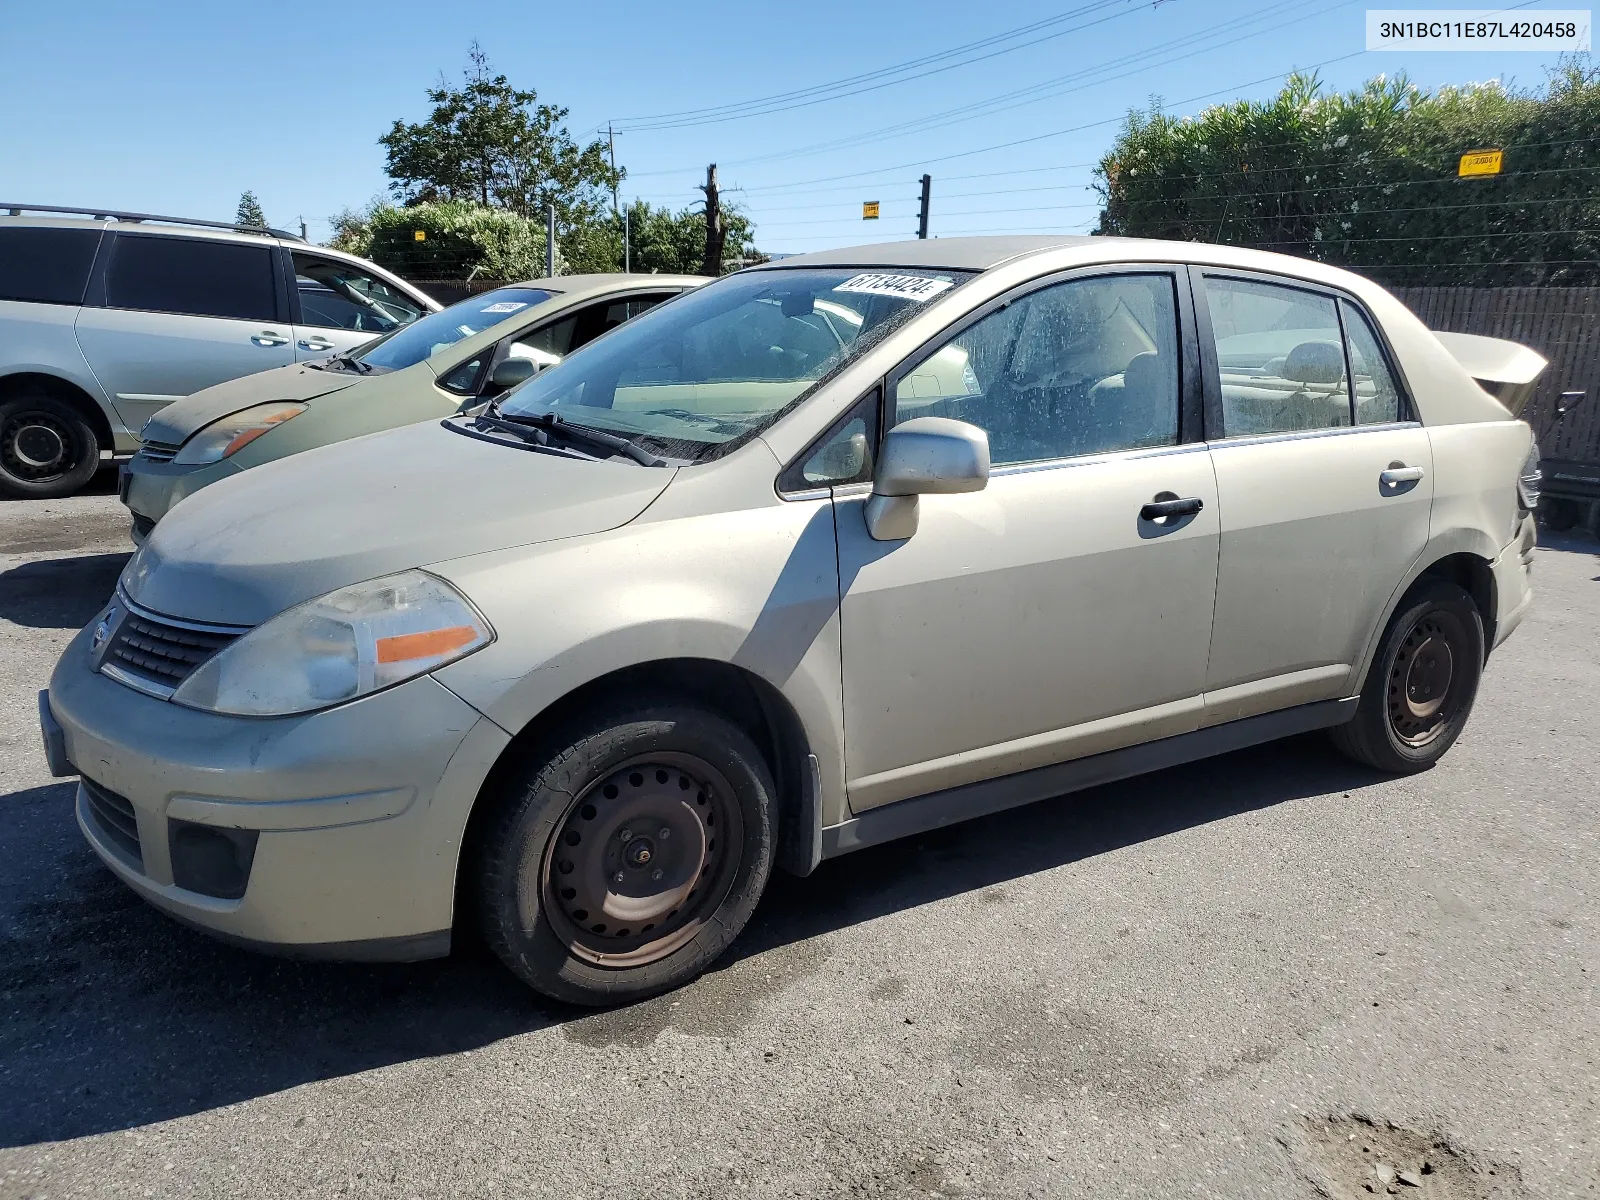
(107, 317)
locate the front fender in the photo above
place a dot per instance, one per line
(756, 588)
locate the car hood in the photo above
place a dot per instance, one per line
(181, 419)
(250, 546)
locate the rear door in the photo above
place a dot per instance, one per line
(168, 315)
(337, 306)
(1324, 495)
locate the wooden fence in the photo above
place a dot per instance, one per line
(1563, 324)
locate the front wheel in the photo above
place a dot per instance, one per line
(47, 449)
(625, 861)
(1421, 686)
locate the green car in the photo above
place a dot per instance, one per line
(444, 362)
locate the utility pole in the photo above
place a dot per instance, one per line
(611, 140)
(550, 241)
(627, 241)
(302, 229)
(922, 215)
(715, 234)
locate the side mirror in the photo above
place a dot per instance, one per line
(926, 455)
(510, 372)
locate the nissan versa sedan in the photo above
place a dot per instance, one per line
(825, 553)
(452, 359)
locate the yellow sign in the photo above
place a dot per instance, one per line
(419, 235)
(869, 210)
(1481, 162)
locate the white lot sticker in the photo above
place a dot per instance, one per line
(907, 287)
(504, 306)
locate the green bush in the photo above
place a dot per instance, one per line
(461, 240)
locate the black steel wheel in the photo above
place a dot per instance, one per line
(1423, 680)
(47, 449)
(627, 853)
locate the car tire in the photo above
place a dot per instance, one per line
(1559, 514)
(47, 449)
(1420, 688)
(626, 857)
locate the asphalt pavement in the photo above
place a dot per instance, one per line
(1273, 974)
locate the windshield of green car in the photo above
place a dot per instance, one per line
(721, 363)
(415, 342)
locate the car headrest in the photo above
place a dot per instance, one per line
(1315, 362)
(1143, 373)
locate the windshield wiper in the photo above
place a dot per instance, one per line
(550, 423)
(350, 360)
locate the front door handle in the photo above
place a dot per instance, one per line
(268, 337)
(315, 343)
(1168, 507)
(1399, 473)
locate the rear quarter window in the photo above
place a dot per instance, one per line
(46, 266)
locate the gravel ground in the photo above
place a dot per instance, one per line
(1272, 974)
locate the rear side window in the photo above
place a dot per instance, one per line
(46, 266)
(193, 277)
(1377, 396)
(1280, 356)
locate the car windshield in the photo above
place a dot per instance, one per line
(721, 363)
(415, 342)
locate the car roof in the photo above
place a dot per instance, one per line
(956, 253)
(584, 285)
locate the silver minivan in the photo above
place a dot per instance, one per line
(821, 554)
(106, 318)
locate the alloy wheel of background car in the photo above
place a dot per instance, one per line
(628, 853)
(1420, 687)
(47, 449)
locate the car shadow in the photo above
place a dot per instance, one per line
(59, 593)
(102, 483)
(119, 1017)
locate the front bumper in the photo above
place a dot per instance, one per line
(150, 489)
(354, 814)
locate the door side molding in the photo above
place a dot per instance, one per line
(938, 809)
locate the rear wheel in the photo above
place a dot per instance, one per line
(1420, 689)
(625, 862)
(47, 448)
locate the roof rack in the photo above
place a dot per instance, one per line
(111, 214)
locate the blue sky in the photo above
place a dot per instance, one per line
(179, 107)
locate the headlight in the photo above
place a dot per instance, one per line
(1529, 479)
(222, 438)
(340, 646)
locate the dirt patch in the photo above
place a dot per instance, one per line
(1356, 1157)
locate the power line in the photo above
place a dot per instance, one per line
(880, 78)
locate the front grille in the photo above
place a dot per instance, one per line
(161, 651)
(114, 817)
(158, 452)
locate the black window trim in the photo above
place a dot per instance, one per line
(1216, 428)
(95, 294)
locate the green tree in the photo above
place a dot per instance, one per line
(1368, 179)
(249, 212)
(675, 242)
(495, 145)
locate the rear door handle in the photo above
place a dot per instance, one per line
(1398, 474)
(315, 343)
(1160, 510)
(268, 337)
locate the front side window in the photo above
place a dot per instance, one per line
(337, 295)
(1280, 356)
(1084, 367)
(46, 265)
(724, 361)
(1377, 396)
(412, 343)
(192, 276)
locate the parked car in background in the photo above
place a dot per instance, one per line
(457, 357)
(106, 318)
(822, 554)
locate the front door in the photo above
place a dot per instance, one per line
(1324, 495)
(177, 314)
(339, 306)
(1048, 616)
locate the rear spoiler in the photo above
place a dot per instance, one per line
(1506, 370)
